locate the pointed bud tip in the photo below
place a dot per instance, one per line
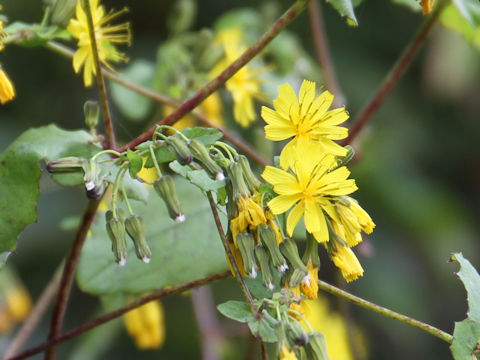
(180, 218)
(220, 176)
(253, 273)
(122, 262)
(89, 185)
(283, 268)
(306, 280)
(270, 286)
(146, 260)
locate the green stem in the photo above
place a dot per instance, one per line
(226, 149)
(385, 312)
(116, 184)
(108, 151)
(111, 142)
(154, 159)
(236, 269)
(186, 139)
(395, 74)
(231, 70)
(129, 207)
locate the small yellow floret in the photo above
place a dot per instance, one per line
(347, 262)
(146, 325)
(7, 91)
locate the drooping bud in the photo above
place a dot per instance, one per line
(136, 230)
(92, 112)
(94, 184)
(66, 165)
(62, 11)
(200, 153)
(232, 209)
(116, 232)
(165, 187)
(235, 174)
(246, 245)
(311, 252)
(268, 237)
(296, 333)
(317, 347)
(264, 263)
(289, 249)
(252, 182)
(179, 149)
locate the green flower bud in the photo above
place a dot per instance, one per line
(311, 251)
(165, 187)
(200, 153)
(296, 333)
(235, 174)
(296, 277)
(246, 245)
(179, 149)
(94, 184)
(268, 237)
(264, 263)
(232, 210)
(136, 230)
(250, 178)
(116, 232)
(289, 249)
(92, 112)
(62, 11)
(66, 165)
(316, 347)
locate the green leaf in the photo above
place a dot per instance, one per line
(133, 105)
(20, 174)
(180, 252)
(465, 340)
(345, 9)
(262, 330)
(35, 35)
(135, 162)
(452, 19)
(469, 9)
(414, 5)
(236, 310)
(471, 280)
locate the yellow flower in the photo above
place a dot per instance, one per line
(7, 91)
(353, 219)
(307, 190)
(243, 86)
(146, 325)
(286, 354)
(250, 215)
(15, 306)
(106, 35)
(305, 120)
(310, 289)
(427, 6)
(147, 174)
(344, 259)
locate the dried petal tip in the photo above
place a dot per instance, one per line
(220, 176)
(122, 262)
(180, 218)
(146, 260)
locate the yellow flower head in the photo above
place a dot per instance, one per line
(305, 120)
(310, 288)
(250, 215)
(344, 259)
(307, 190)
(7, 91)
(427, 6)
(106, 36)
(353, 219)
(244, 85)
(146, 325)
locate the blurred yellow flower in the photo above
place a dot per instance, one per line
(146, 325)
(427, 6)
(244, 85)
(308, 191)
(7, 91)
(344, 259)
(106, 36)
(15, 306)
(306, 121)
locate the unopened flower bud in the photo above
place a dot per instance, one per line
(296, 333)
(268, 237)
(94, 184)
(232, 209)
(200, 153)
(311, 252)
(62, 11)
(246, 245)
(264, 263)
(116, 232)
(165, 187)
(235, 174)
(92, 112)
(252, 182)
(179, 149)
(317, 347)
(300, 274)
(136, 230)
(66, 165)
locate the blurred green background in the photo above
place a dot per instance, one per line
(417, 171)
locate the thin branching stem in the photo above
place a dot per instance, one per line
(102, 90)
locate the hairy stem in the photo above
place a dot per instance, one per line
(322, 50)
(68, 275)
(394, 75)
(41, 306)
(385, 312)
(119, 312)
(231, 70)
(230, 255)
(111, 142)
(162, 99)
